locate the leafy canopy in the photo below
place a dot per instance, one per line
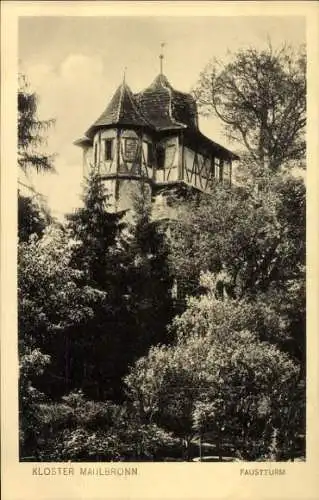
(217, 377)
(260, 96)
(52, 295)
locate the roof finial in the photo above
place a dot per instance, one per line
(124, 74)
(161, 57)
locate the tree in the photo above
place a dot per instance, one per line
(100, 254)
(31, 218)
(255, 247)
(53, 298)
(32, 364)
(164, 388)
(260, 96)
(30, 131)
(253, 239)
(78, 429)
(129, 262)
(98, 232)
(219, 378)
(265, 391)
(149, 277)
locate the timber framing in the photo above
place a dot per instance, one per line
(156, 138)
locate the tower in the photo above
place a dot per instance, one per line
(153, 137)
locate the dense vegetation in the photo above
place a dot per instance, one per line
(140, 340)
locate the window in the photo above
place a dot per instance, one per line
(95, 154)
(216, 168)
(227, 171)
(221, 171)
(149, 153)
(108, 149)
(219, 174)
(160, 157)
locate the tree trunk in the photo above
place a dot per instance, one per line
(220, 456)
(186, 444)
(200, 447)
(67, 361)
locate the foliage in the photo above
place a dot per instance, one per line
(32, 364)
(51, 292)
(31, 218)
(97, 231)
(258, 240)
(96, 294)
(260, 96)
(164, 388)
(255, 247)
(79, 429)
(129, 263)
(52, 298)
(33, 317)
(30, 131)
(99, 359)
(149, 276)
(218, 377)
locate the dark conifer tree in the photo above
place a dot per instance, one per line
(150, 279)
(33, 215)
(31, 131)
(98, 231)
(97, 359)
(132, 268)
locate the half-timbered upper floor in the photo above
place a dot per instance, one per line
(154, 135)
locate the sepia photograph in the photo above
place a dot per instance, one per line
(161, 206)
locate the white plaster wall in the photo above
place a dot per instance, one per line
(167, 141)
(172, 175)
(109, 133)
(126, 187)
(107, 167)
(172, 141)
(148, 166)
(188, 157)
(159, 175)
(87, 160)
(171, 171)
(188, 164)
(169, 175)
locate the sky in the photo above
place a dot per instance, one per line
(75, 64)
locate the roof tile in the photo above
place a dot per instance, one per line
(122, 109)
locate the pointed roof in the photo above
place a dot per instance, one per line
(160, 108)
(166, 107)
(122, 109)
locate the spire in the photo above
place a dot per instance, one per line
(161, 57)
(121, 110)
(124, 74)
